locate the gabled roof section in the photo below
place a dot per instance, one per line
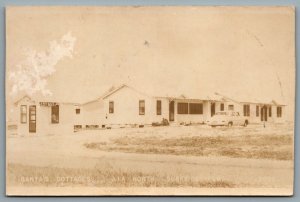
(91, 101)
(113, 91)
(251, 101)
(22, 98)
(277, 103)
(121, 87)
(43, 99)
(224, 97)
(172, 96)
(98, 98)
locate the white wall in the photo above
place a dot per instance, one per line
(66, 120)
(43, 119)
(90, 114)
(126, 108)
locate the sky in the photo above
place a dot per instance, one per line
(241, 52)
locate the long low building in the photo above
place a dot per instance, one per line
(127, 106)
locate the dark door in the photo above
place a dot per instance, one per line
(264, 113)
(171, 111)
(212, 109)
(32, 119)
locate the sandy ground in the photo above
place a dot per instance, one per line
(68, 151)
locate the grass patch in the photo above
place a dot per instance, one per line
(276, 147)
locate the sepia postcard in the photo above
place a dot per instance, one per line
(150, 100)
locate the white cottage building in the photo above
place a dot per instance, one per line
(44, 116)
(127, 106)
(256, 111)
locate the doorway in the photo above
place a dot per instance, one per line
(212, 109)
(171, 111)
(32, 119)
(264, 113)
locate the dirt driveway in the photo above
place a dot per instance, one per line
(69, 151)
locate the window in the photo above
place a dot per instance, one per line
(257, 110)
(270, 111)
(196, 108)
(23, 111)
(158, 107)
(142, 107)
(77, 111)
(111, 107)
(222, 107)
(279, 111)
(246, 110)
(55, 114)
(182, 108)
(230, 107)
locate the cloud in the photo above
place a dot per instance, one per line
(32, 73)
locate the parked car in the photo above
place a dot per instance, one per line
(227, 118)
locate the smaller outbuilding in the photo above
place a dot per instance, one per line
(44, 116)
